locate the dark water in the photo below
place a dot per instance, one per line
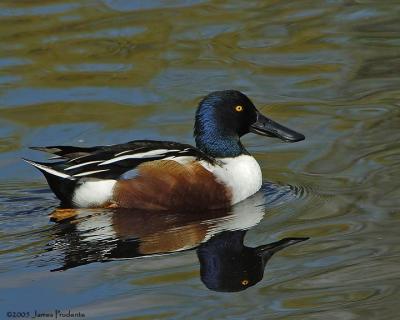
(103, 72)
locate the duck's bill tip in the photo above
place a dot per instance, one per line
(293, 138)
(267, 127)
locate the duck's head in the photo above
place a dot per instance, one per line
(224, 116)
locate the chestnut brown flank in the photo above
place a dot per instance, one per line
(169, 185)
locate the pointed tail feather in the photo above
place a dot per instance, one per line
(61, 184)
(68, 152)
(44, 168)
(46, 149)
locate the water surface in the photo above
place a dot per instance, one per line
(103, 72)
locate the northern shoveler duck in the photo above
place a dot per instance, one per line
(164, 175)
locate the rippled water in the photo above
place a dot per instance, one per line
(103, 72)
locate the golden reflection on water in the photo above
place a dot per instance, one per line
(100, 72)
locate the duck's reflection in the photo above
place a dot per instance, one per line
(226, 264)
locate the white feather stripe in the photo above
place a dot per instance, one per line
(50, 170)
(88, 172)
(181, 159)
(80, 157)
(123, 152)
(141, 155)
(82, 164)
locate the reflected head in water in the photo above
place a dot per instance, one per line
(227, 265)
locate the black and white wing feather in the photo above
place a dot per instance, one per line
(110, 162)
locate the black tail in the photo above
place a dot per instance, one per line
(61, 184)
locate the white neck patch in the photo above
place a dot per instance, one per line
(241, 174)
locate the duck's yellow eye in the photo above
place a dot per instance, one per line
(245, 282)
(239, 108)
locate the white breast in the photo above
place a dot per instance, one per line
(242, 175)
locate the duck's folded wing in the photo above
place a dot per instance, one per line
(112, 161)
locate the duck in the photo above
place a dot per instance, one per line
(153, 175)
